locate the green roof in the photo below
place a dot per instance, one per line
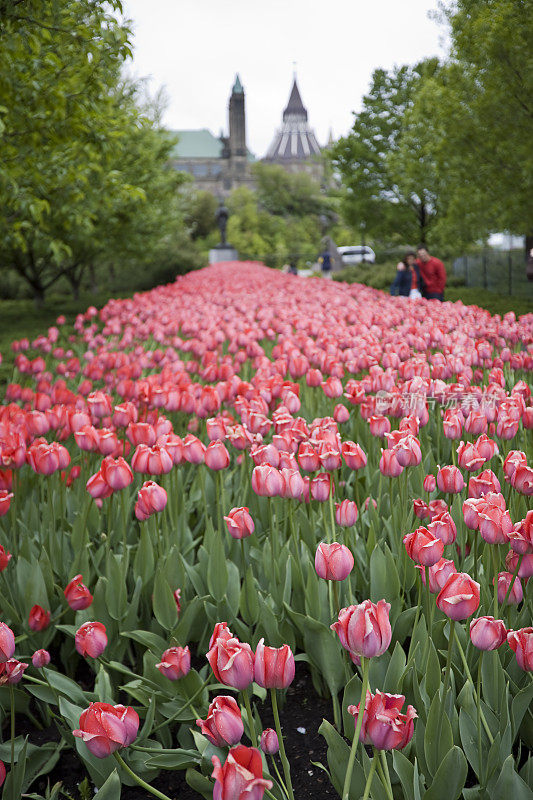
(197, 144)
(237, 86)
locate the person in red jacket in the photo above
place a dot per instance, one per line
(433, 274)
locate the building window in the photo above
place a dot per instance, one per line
(199, 170)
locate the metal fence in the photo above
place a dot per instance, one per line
(499, 271)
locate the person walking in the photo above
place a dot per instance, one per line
(325, 264)
(407, 282)
(432, 273)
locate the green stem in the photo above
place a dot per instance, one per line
(282, 754)
(12, 774)
(495, 562)
(331, 511)
(182, 708)
(385, 780)
(383, 755)
(417, 614)
(368, 783)
(251, 724)
(446, 680)
(478, 703)
(469, 676)
(515, 573)
(139, 781)
(365, 664)
(280, 779)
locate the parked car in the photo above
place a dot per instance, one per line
(356, 254)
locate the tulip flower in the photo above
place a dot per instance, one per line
(443, 527)
(5, 502)
(487, 633)
(384, 725)
(77, 594)
(459, 597)
(241, 775)
(273, 666)
(321, 486)
(151, 499)
(438, 574)
(514, 594)
(521, 641)
(232, 662)
(450, 480)
(5, 557)
(105, 728)
(175, 663)
(365, 629)
(41, 658)
(7, 642)
(423, 547)
(269, 742)
(91, 639)
(346, 513)
(267, 481)
(239, 523)
(521, 535)
(11, 671)
(216, 456)
(223, 726)
(333, 562)
(39, 619)
(353, 455)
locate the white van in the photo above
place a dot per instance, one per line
(356, 254)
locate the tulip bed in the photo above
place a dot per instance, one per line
(244, 476)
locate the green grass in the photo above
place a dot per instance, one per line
(380, 276)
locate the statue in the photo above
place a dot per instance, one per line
(222, 215)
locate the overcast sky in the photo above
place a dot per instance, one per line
(194, 48)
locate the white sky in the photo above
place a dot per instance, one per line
(194, 48)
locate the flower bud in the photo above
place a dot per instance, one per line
(333, 562)
(346, 513)
(175, 663)
(459, 597)
(41, 658)
(487, 633)
(91, 639)
(239, 523)
(269, 742)
(273, 666)
(365, 629)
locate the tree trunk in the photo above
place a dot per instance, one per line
(38, 295)
(94, 280)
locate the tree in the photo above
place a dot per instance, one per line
(481, 108)
(287, 194)
(84, 178)
(391, 187)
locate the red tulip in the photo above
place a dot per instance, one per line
(175, 663)
(521, 642)
(232, 662)
(5, 557)
(77, 594)
(223, 726)
(384, 725)
(423, 547)
(12, 671)
(450, 480)
(273, 666)
(333, 562)
(459, 597)
(389, 464)
(239, 523)
(105, 728)
(151, 499)
(7, 642)
(241, 775)
(443, 527)
(216, 456)
(365, 629)
(346, 513)
(91, 639)
(267, 481)
(5, 502)
(504, 581)
(379, 425)
(320, 487)
(521, 536)
(39, 618)
(116, 473)
(269, 742)
(354, 455)
(430, 483)
(40, 659)
(438, 574)
(293, 484)
(487, 633)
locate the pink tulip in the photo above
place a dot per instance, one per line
(365, 629)
(459, 597)
(175, 663)
(333, 562)
(223, 725)
(273, 666)
(239, 523)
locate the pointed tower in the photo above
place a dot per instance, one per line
(294, 145)
(237, 120)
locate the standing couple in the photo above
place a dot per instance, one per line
(420, 275)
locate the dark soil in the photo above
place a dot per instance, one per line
(303, 710)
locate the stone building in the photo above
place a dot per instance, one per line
(295, 145)
(221, 164)
(217, 164)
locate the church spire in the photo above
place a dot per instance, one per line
(237, 86)
(295, 107)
